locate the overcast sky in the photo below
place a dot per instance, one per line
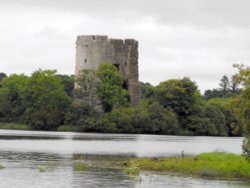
(200, 39)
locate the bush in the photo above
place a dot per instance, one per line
(146, 118)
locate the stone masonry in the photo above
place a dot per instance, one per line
(91, 50)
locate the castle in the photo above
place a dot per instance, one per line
(91, 50)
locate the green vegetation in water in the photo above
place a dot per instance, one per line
(46, 168)
(80, 165)
(1, 166)
(14, 126)
(132, 170)
(208, 165)
(42, 168)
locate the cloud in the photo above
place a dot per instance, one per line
(200, 39)
(195, 12)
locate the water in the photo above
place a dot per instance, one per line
(21, 152)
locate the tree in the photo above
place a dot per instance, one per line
(224, 84)
(243, 77)
(180, 95)
(12, 97)
(2, 76)
(234, 85)
(45, 100)
(214, 93)
(217, 120)
(111, 92)
(228, 88)
(162, 121)
(147, 91)
(86, 93)
(68, 82)
(229, 107)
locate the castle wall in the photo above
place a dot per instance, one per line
(91, 50)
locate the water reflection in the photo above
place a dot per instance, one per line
(21, 152)
(101, 177)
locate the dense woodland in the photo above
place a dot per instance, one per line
(100, 103)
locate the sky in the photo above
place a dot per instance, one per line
(200, 39)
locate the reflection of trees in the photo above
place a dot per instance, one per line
(104, 137)
(101, 174)
(30, 156)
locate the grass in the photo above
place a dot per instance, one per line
(14, 126)
(209, 165)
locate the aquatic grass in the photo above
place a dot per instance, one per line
(80, 165)
(42, 168)
(46, 168)
(209, 165)
(1, 166)
(132, 169)
(14, 126)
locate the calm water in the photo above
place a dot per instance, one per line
(21, 152)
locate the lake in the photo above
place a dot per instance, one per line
(22, 152)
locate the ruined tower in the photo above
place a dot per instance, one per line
(91, 50)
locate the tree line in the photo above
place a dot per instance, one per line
(97, 101)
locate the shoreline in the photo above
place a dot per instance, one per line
(70, 128)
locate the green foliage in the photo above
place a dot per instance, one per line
(14, 126)
(224, 84)
(96, 124)
(243, 77)
(99, 103)
(39, 100)
(162, 121)
(149, 118)
(68, 128)
(12, 95)
(86, 99)
(146, 118)
(217, 120)
(111, 92)
(228, 106)
(219, 101)
(233, 122)
(45, 100)
(212, 165)
(179, 95)
(68, 83)
(147, 91)
(2, 76)
(228, 88)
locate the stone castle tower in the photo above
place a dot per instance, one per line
(91, 50)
